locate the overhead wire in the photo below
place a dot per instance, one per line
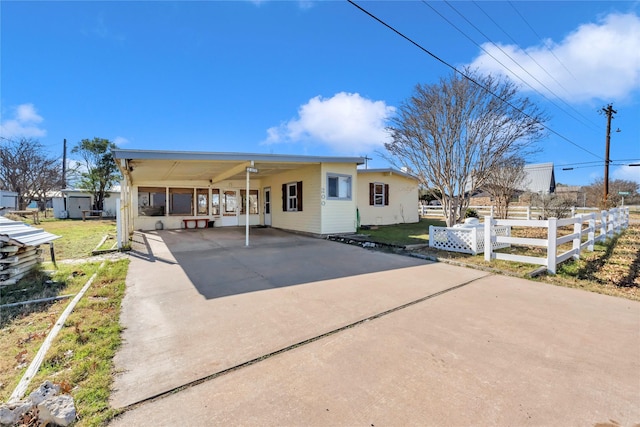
(540, 38)
(512, 59)
(428, 52)
(518, 44)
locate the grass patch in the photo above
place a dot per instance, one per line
(82, 354)
(403, 234)
(81, 357)
(78, 238)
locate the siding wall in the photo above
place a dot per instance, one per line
(309, 219)
(338, 216)
(403, 199)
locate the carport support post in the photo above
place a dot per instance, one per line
(246, 211)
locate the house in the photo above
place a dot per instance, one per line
(317, 195)
(69, 203)
(539, 178)
(387, 196)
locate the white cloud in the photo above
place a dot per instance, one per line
(603, 60)
(346, 123)
(25, 123)
(120, 141)
(629, 173)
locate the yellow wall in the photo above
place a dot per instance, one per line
(403, 199)
(338, 216)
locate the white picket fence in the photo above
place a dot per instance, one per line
(599, 226)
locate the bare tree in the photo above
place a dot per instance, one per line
(25, 169)
(100, 172)
(595, 192)
(454, 133)
(504, 182)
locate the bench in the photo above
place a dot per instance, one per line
(192, 223)
(92, 214)
(26, 213)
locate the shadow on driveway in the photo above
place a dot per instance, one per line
(218, 263)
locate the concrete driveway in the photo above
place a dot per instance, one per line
(301, 331)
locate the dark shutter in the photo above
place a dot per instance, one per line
(386, 194)
(372, 189)
(284, 197)
(299, 195)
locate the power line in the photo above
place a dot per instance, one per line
(540, 38)
(518, 44)
(465, 76)
(512, 59)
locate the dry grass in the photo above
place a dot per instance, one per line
(613, 268)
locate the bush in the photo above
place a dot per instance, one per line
(471, 213)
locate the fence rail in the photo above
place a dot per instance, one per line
(515, 212)
(599, 226)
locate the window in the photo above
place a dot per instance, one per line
(181, 201)
(203, 201)
(253, 201)
(378, 194)
(230, 203)
(152, 201)
(339, 186)
(215, 201)
(292, 197)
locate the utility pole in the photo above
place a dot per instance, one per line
(64, 164)
(609, 111)
(366, 163)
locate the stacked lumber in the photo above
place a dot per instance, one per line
(16, 262)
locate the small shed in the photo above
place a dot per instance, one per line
(8, 201)
(69, 203)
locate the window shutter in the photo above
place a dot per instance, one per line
(386, 194)
(371, 193)
(284, 197)
(299, 195)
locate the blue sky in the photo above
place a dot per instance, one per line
(317, 78)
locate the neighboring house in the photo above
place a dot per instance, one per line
(310, 194)
(573, 193)
(69, 203)
(539, 179)
(387, 196)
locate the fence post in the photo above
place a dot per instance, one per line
(431, 239)
(603, 224)
(592, 228)
(552, 244)
(474, 241)
(577, 228)
(528, 213)
(488, 247)
(573, 211)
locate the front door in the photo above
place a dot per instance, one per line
(267, 206)
(229, 208)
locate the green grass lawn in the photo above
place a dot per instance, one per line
(403, 234)
(78, 238)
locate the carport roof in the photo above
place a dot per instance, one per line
(148, 165)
